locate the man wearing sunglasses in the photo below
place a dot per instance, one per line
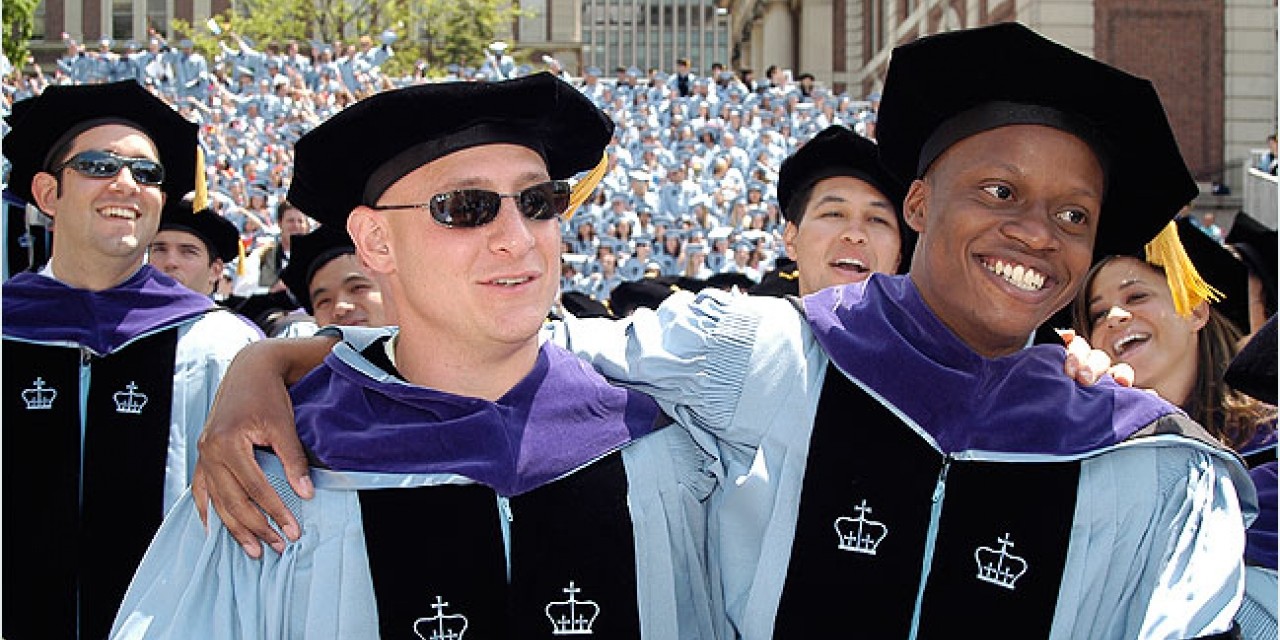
(110, 365)
(468, 476)
(908, 407)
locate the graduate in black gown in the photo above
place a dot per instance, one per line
(110, 365)
(468, 476)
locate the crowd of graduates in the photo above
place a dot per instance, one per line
(690, 190)
(714, 443)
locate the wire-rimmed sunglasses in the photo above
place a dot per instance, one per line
(477, 207)
(97, 163)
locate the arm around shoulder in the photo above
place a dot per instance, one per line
(194, 583)
(700, 356)
(253, 409)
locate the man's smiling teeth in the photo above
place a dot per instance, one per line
(120, 212)
(851, 262)
(1024, 278)
(510, 282)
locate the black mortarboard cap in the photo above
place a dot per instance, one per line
(582, 305)
(218, 234)
(264, 309)
(942, 88)
(728, 280)
(38, 125)
(1253, 370)
(783, 280)
(1256, 243)
(307, 253)
(633, 294)
(838, 151)
(389, 134)
(1222, 270)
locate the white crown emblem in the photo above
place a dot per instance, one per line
(441, 626)
(129, 400)
(858, 534)
(572, 617)
(1000, 568)
(39, 397)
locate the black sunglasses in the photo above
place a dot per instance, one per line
(478, 207)
(96, 163)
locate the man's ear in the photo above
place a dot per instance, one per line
(914, 210)
(215, 273)
(44, 190)
(368, 229)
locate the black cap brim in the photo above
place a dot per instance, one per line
(634, 294)
(938, 77)
(782, 281)
(389, 134)
(581, 305)
(264, 309)
(38, 123)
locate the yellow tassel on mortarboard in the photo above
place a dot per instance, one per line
(200, 201)
(583, 189)
(1189, 289)
(240, 260)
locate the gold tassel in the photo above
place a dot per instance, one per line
(240, 260)
(583, 189)
(201, 200)
(1186, 285)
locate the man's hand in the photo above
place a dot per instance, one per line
(1086, 365)
(252, 408)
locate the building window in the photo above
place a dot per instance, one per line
(663, 31)
(157, 18)
(121, 19)
(37, 22)
(876, 19)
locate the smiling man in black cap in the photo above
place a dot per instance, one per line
(843, 213)
(324, 274)
(110, 365)
(896, 462)
(467, 477)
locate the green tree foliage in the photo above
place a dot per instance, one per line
(438, 32)
(261, 21)
(459, 31)
(17, 16)
(309, 23)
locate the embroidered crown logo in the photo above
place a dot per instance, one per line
(1000, 568)
(441, 626)
(129, 400)
(39, 397)
(572, 617)
(858, 534)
